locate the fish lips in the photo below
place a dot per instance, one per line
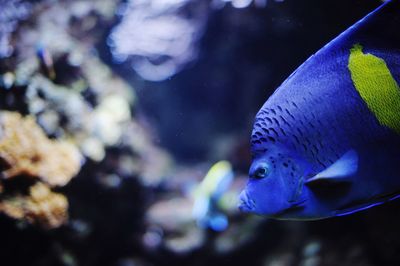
(246, 204)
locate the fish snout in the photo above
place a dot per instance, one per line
(246, 204)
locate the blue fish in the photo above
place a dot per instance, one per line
(208, 196)
(327, 142)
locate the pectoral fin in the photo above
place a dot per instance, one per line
(340, 171)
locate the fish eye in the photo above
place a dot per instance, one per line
(261, 171)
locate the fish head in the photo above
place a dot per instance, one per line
(275, 185)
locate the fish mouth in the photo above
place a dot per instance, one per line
(246, 204)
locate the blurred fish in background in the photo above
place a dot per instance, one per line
(207, 209)
(46, 61)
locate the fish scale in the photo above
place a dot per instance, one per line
(345, 127)
(302, 132)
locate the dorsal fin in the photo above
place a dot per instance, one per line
(379, 29)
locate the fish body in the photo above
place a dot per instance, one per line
(206, 210)
(327, 142)
(46, 61)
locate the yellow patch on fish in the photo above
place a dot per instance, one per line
(377, 87)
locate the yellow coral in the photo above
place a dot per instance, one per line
(41, 206)
(27, 151)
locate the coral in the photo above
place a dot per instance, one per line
(28, 154)
(40, 206)
(61, 111)
(27, 151)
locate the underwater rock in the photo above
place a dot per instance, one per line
(158, 38)
(61, 110)
(239, 3)
(109, 114)
(41, 206)
(132, 262)
(45, 97)
(27, 151)
(176, 229)
(310, 254)
(160, 213)
(281, 259)
(155, 164)
(237, 235)
(193, 238)
(11, 12)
